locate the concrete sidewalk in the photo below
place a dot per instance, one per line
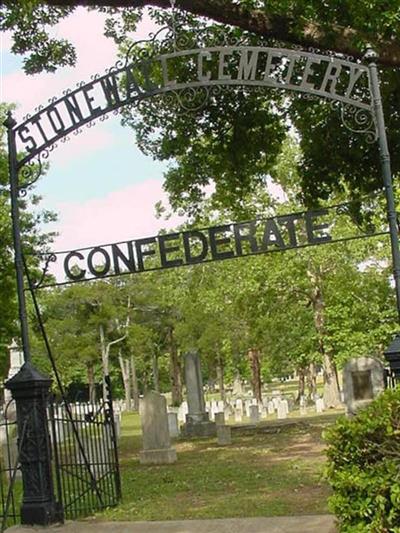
(277, 524)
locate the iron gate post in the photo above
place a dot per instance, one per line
(371, 57)
(29, 388)
(392, 354)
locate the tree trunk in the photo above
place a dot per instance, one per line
(126, 378)
(312, 380)
(285, 27)
(91, 382)
(331, 385)
(175, 370)
(302, 383)
(156, 380)
(104, 359)
(254, 358)
(134, 385)
(220, 378)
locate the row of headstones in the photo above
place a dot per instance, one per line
(250, 408)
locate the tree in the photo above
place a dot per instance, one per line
(236, 149)
(345, 28)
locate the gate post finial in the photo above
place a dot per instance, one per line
(10, 122)
(370, 54)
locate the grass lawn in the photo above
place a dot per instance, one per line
(268, 472)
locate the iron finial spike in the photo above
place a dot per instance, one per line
(10, 122)
(370, 54)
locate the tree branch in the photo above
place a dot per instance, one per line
(340, 39)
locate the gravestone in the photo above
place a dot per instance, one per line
(319, 405)
(16, 361)
(224, 435)
(227, 412)
(182, 412)
(281, 410)
(254, 414)
(156, 440)
(117, 424)
(363, 380)
(220, 419)
(238, 389)
(239, 404)
(271, 407)
(238, 415)
(173, 427)
(197, 420)
(303, 406)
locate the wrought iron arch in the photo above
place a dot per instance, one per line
(206, 63)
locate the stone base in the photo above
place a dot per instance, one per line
(43, 514)
(199, 429)
(158, 457)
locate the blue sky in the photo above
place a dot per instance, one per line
(100, 184)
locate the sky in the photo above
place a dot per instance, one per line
(102, 187)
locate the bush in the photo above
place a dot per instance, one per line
(364, 467)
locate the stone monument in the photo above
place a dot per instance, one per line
(156, 440)
(16, 361)
(197, 420)
(363, 380)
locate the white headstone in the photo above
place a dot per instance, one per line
(319, 405)
(156, 440)
(238, 415)
(254, 414)
(281, 410)
(173, 424)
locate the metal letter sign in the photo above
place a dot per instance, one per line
(252, 66)
(205, 65)
(227, 241)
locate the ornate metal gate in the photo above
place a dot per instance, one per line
(84, 452)
(84, 444)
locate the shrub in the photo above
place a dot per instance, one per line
(364, 467)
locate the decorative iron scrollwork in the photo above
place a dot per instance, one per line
(359, 121)
(50, 258)
(30, 173)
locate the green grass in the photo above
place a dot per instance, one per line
(272, 473)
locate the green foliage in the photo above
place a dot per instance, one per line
(234, 141)
(363, 467)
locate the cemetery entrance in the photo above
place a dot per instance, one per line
(189, 75)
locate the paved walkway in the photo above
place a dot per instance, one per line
(278, 524)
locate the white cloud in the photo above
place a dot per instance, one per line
(78, 146)
(94, 51)
(121, 215)
(127, 214)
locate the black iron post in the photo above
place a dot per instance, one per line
(392, 353)
(371, 56)
(29, 389)
(16, 229)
